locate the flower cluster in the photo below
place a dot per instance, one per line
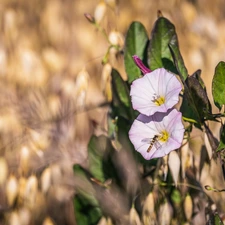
(158, 129)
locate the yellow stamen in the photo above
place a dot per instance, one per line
(164, 136)
(159, 100)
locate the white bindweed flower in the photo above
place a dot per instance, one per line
(156, 136)
(156, 91)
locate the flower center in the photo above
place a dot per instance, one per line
(158, 100)
(164, 136)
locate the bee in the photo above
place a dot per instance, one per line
(151, 141)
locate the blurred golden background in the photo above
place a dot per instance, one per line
(52, 83)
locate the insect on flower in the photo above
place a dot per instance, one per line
(152, 141)
(156, 136)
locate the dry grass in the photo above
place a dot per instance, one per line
(50, 78)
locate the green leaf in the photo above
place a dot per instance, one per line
(100, 154)
(96, 150)
(195, 105)
(121, 103)
(222, 140)
(177, 58)
(135, 44)
(217, 220)
(159, 54)
(218, 85)
(121, 88)
(86, 212)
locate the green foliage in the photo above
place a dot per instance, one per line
(86, 212)
(86, 207)
(100, 153)
(222, 140)
(196, 105)
(217, 220)
(177, 58)
(214, 219)
(162, 51)
(159, 54)
(218, 85)
(136, 41)
(121, 103)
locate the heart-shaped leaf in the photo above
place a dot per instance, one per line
(135, 44)
(218, 85)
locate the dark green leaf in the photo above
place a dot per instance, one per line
(121, 89)
(218, 85)
(135, 44)
(86, 213)
(199, 96)
(177, 58)
(100, 153)
(222, 140)
(98, 147)
(217, 220)
(196, 105)
(159, 54)
(121, 103)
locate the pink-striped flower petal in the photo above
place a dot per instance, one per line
(156, 136)
(156, 91)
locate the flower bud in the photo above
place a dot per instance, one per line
(99, 12)
(89, 17)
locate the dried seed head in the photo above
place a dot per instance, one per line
(11, 189)
(165, 214)
(24, 216)
(82, 80)
(48, 221)
(22, 189)
(100, 11)
(116, 38)
(56, 174)
(174, 165)
(106, 81)
(14, 219)
(184, 157)
(3, 169)
(31, 190)
(54, 61)
(102, 221)
(46, 180)
(24, 159)
(148, 213)
(208, 146)
(134, 217)
(188, 207)
(111, 3)
(165, 167)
